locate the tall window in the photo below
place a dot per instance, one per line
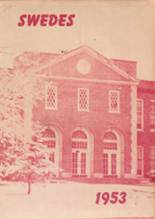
(83, 99)
(79, 139)
(140, 160)
(152, 115)
(49, 139)
(152, 158)
(51, 97)
(114, 101)
(110, 155)
(140, 114)
(79, 153)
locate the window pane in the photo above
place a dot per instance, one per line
(83, 99)
(105, 164)
(152, 115)
(140, 152)
(83, 163)
(74, 163)
(79, 139)
(139, 114)
(51, 97)
(114, 101)
(113, 164)
(110, 141)
(48, 138)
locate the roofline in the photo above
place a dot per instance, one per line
(124, 60)
(97, 55)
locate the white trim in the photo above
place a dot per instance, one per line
(110, 141)
(142, 159)
(89, 80)
(142, 114)
(47, 107)
(79, 139)
(78, 100)
(118, 101)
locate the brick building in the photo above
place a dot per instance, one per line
(97, 118)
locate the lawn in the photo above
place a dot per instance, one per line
(67, 200)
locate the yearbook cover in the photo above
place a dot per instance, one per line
(77, 109)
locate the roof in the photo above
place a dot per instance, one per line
(38, 61)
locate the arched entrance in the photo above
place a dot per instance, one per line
(82, 143)
(111, 155)
(52, 138)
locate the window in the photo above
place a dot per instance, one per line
(79, 153)
(152, 158)
(51, 97)
(48, 138)
(110, 154)
(83, 99)
(152, 115)
(110, 141)
(140, 114)
(79, 139)
(105, 164)
(140, 156)
(114, 101)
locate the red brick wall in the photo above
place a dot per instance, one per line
(146, 138)
(98, 120)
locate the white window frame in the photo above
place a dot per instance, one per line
(151, 156)
(142, 159)
(109, 99)
(142, 114)
(46, 93)
(78, 100)
(152, 130)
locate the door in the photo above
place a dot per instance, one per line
(78, 163)
(110, 163)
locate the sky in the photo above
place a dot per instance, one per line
(116, 29)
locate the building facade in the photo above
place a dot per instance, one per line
(97, 118)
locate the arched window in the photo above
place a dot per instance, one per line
(110, 140)
(79, 153)
(110, 154)
(49, 138)
(79, 139)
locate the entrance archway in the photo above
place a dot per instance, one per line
(111, 154)
(82, 153)
(52, 139)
